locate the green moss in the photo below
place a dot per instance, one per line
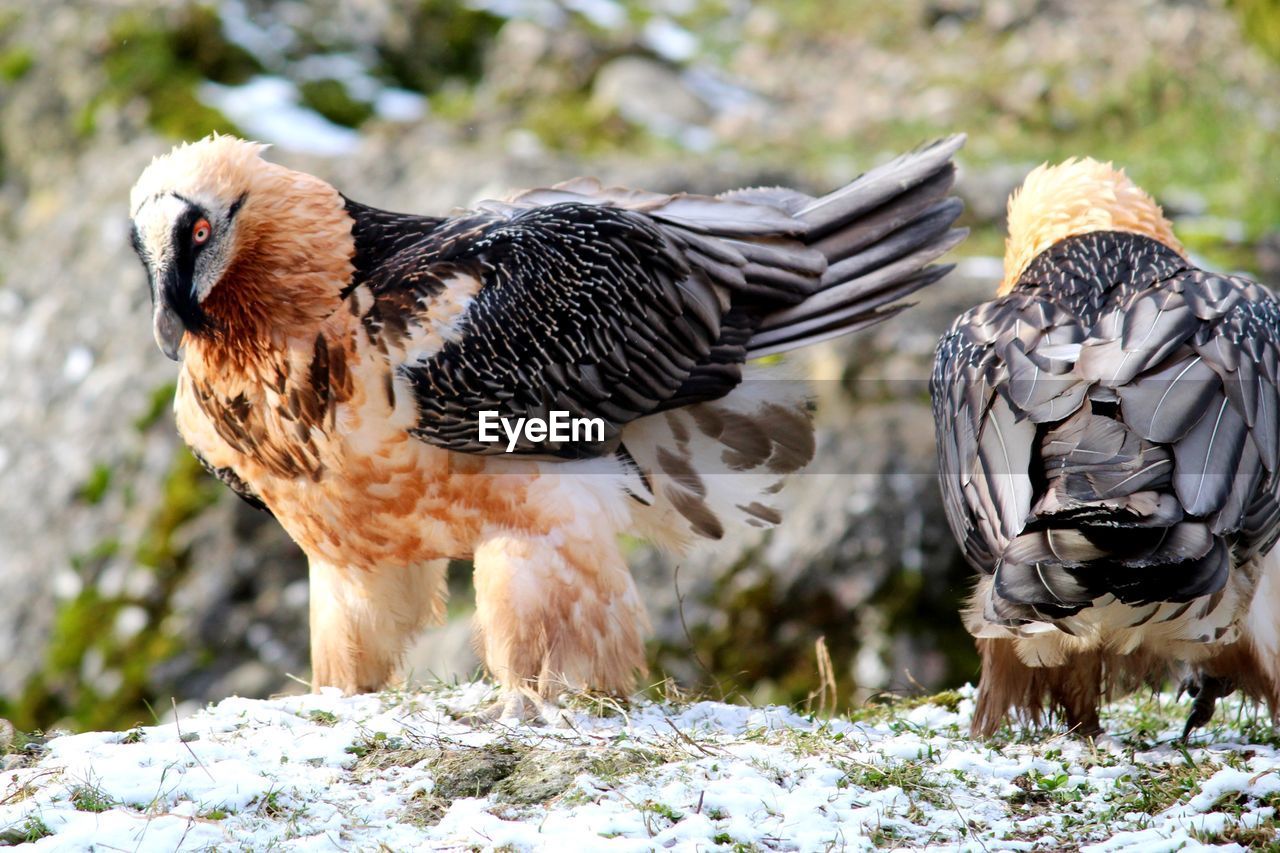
(568, 121)
(889, 24)
(95, 488)
(163, 61)
(474, 772)
(441, 39)
(188, 490)
(1260, 23)
(454, 104)
(1167, 131)
(15, 62)
(85, 625)
(159, 404)
(331, 99)
(544, 775)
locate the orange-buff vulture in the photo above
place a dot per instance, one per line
(336, 359)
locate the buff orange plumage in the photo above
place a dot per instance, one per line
(337, 358)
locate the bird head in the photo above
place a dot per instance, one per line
(235, 245)
(1078, 196)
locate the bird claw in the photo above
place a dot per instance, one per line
(520, 706)
(1205, 690)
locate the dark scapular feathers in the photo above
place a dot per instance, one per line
(1109, 428)
(615, 304)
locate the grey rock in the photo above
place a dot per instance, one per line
(986, 190)
(650, 94)
(1269, 258)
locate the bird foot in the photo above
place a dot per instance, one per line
(520, 706)
(1205, 690)
(1088, 731)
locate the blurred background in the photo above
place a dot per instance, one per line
(128, 578)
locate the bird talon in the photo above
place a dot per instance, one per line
(1206, 691)
(520, 706)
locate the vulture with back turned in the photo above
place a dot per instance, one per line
(1108, 434)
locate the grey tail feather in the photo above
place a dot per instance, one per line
(880, 234)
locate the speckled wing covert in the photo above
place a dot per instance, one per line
(1110, 426)
(615, 304)
(232, 481)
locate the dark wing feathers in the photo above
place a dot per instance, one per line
(232, 480)
(1140, 395)
(615, 304)
(1206, 458)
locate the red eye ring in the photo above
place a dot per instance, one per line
(201, 232)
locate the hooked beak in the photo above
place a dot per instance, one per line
(169, 330)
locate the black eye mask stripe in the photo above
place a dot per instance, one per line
(179, 284)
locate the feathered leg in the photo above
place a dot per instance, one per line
(362, 621)
(1076, 691)
(1009, 684)
(1006, 684)
(554, 612)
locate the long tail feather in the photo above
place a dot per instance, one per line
(878, 234)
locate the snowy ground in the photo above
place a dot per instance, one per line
(401, 771)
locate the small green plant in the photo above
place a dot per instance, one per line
(323, 718)
(374, 742)
(910, 776)
(28, 832)
(662, 810)
(89, 798)
(270, 805)
(1050, 783)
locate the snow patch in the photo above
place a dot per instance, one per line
(303, 772)
(268, 109)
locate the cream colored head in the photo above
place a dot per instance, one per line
(207, 172)
(235, 245)
(1076, 197)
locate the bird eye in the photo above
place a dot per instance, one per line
(201, 231)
